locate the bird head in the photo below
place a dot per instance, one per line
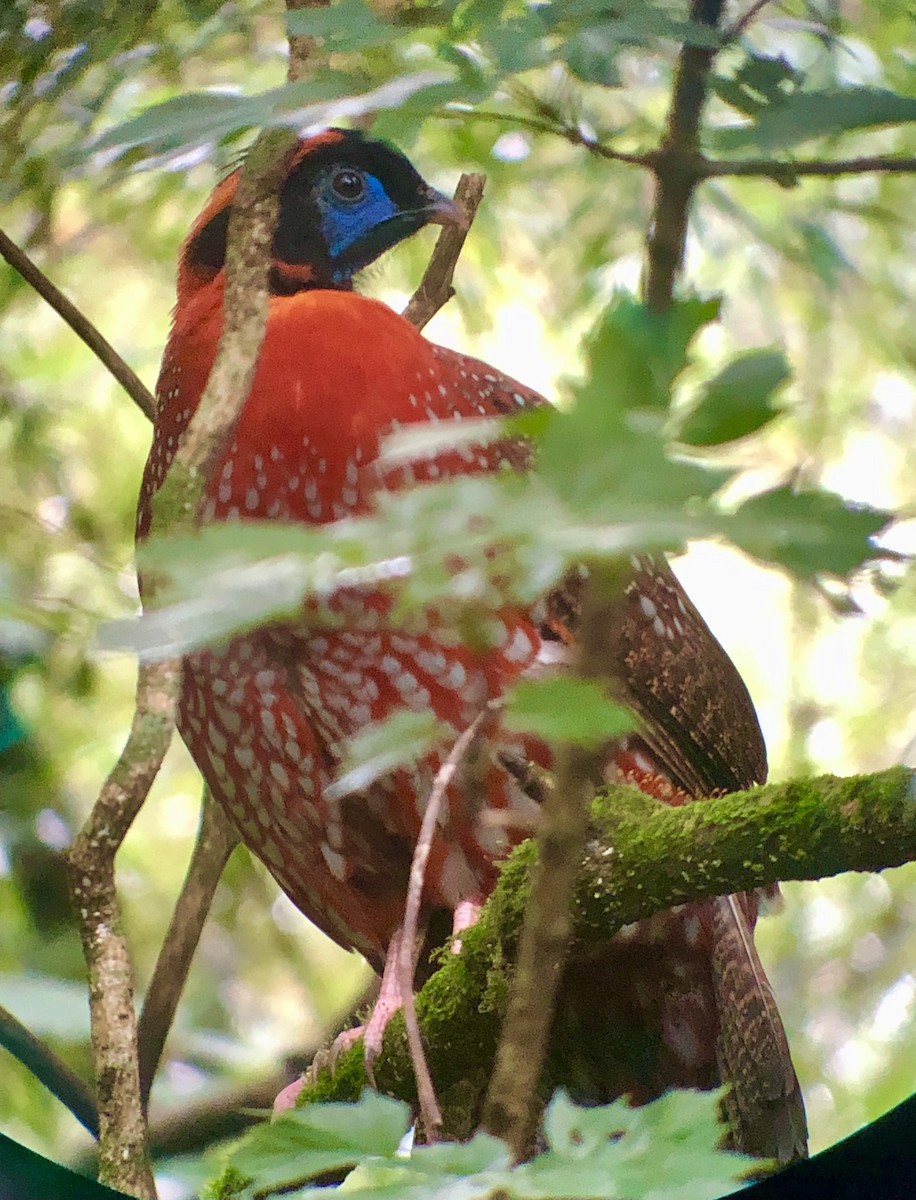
(346, 199)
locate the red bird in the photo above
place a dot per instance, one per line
(267, 716)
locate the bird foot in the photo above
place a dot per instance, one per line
(324, 1060)
(389, 1000)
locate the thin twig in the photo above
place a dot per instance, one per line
(429, 1106)
(779, 171)
(435, 288)
(734, 31)
(123, 1158)
(571, 133)
(80, 324)
(788, 172)
(215, 842)
(49, 1070)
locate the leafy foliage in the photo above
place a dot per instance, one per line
(666, 1149)
(737, 401)
(820, 269)
(605, 485)
(565, 709)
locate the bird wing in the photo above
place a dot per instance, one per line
(700, 727)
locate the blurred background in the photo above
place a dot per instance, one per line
(824, 270)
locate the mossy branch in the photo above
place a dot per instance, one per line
(642, 856)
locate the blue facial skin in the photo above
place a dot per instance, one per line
(347, 223)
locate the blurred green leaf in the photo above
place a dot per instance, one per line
(567, 709)
(591, 53)
(190, 120)
(318, 1138)
(634, 355)
(605, 455)
(759, 81)
(343, 27)
(378, 749)
(737, 401)
(613, 1150)
(803, 116)
(629, 23)
(666, 1150)
(808, 532)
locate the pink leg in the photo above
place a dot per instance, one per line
(286, 1099)
(465, 915)
(389, 1001)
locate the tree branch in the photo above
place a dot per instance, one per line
(123, 1156)
(782, 172)
(642, 856)
(675, 169)
(512, 1110)
(786, 173)
(435, 288)
(251, 226)
(215, 842)
(123, 1159)
(80, 324)
(734, 31)
(49, 1069)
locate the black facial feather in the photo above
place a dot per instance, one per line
(298, 239)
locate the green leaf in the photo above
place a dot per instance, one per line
(759, 82)
(446, 1171)
(188, 120)
(573, 1131)
(200, 117)
(318, 1138)
(667, 1150)
(590, 55)
(803, 116)
(343, 27)
(629, 23)
(427, 439)
(567, 709)
(824, 254)
(737, 401)
(226, 601)
(398, 741)
(606, 454)
(807, 532)
(634, 355)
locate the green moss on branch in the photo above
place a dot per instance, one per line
(642, 856)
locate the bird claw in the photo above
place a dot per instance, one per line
(324, 1060)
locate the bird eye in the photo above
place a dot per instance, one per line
(348, 184)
